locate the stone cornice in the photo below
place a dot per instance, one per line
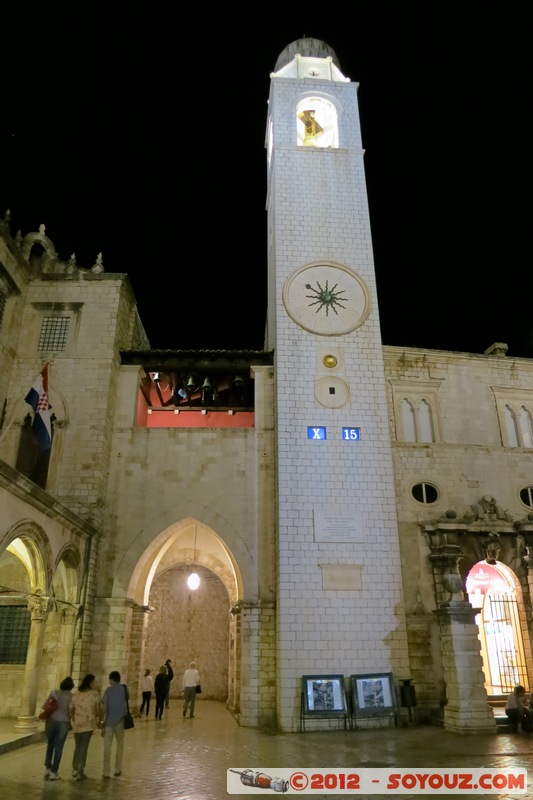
(21, 487)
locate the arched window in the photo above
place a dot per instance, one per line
(317, 123)
(417, 421)
(408, 421)
(31, 460)
(510, 426)
(526, 428)
(425, 422)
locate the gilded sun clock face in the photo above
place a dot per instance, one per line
(326, 299)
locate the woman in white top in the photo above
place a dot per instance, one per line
(147, 687)
(85, 716)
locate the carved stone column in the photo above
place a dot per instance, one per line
(38, 607)
(133, 655)
(467, 710)
(69, 615)
(527, 530)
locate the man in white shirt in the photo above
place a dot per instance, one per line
(190, 680)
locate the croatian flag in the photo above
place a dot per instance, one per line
(37, 398)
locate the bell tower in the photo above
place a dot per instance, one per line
(339, 593)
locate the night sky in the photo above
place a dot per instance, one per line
(143, 138)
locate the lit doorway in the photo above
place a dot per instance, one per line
(497, 598)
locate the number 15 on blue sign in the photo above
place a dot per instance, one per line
(351, 434)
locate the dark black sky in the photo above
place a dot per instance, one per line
(143, 137)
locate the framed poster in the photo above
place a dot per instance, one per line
(373, 695)
(323, 695)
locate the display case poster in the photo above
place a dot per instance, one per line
(374, 693)
(324, 694)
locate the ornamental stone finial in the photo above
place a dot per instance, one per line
(42, 229)
(71, 264)
(98, 266)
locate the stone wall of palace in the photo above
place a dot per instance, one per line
(468, 460)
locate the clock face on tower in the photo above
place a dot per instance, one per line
(326, 298)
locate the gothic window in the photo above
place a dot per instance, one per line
(408, 421)
(317, 123)
(515, 415)
(417, 421)
(31, 460)
(525, 427)
(425, 422)
(425, 493)
(510, 426)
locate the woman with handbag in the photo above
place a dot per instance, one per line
(57, 727)
(190, 682)
(85, 713)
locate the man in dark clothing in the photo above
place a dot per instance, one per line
(161, 684)
(170, 672)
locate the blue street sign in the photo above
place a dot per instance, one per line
(351, 434)
(317, 433)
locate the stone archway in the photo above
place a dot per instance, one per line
(496, 596)
(484, 532)
(172, 621)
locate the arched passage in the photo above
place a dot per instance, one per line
(496, 594)
(39, 611)
(184, 624)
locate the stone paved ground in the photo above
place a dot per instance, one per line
(188, 758)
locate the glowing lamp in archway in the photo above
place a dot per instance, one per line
(193, 581)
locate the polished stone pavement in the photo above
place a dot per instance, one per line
(188, 759)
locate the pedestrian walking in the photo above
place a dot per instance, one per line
(85, 717)
(57, 727)
(147, 687)
(170, 671)
(114, 704)
(190, 680)
(161, 685)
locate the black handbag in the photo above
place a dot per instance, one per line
(198, 689)
(128, 719)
